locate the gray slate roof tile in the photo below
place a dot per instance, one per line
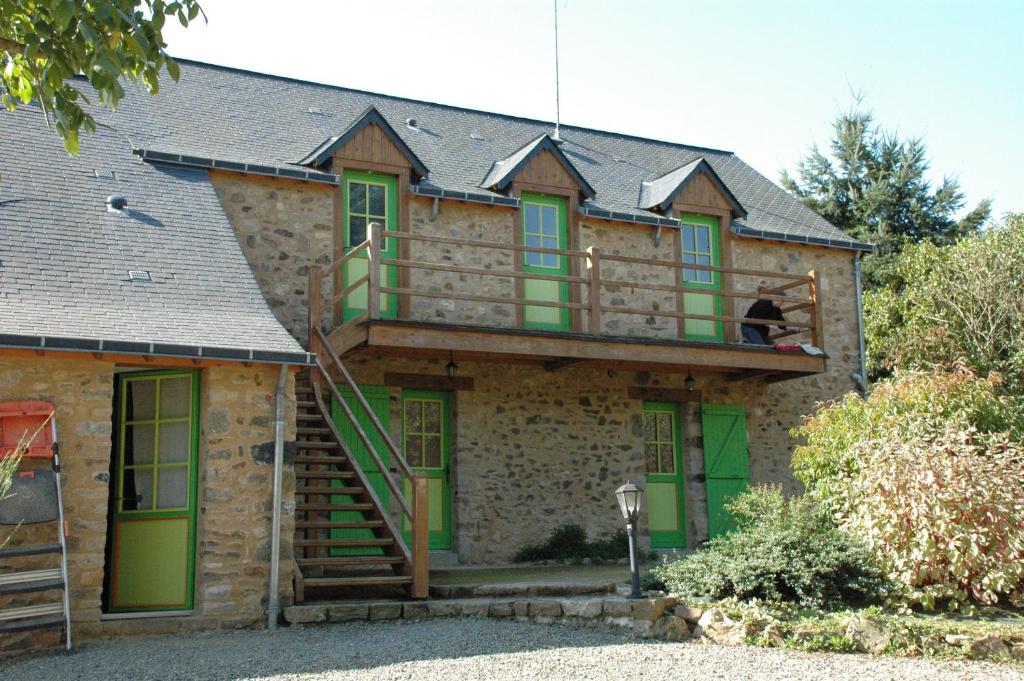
(64, 259)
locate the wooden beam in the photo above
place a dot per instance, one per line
(664, 394)
(427, 381)
(749, 375)
(556, 364)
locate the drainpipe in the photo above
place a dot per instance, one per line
(863, 382)
(274, 602)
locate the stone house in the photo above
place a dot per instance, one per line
(483, 326)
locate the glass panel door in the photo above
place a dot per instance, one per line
(426, 445)
(699, 241)
(663, 461)
(543, 224)
(369, 198)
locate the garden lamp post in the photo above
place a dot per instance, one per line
(630, 496)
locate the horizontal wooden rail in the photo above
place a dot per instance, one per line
(704, 317)
(452, 241)
(483, 271)
(672, 288)
(353, 252)
(481, 299)
(334, 300)
(798, 279)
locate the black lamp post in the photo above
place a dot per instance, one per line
(630, 497)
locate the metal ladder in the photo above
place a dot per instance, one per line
(32, 500)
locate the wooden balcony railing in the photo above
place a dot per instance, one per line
(592, 272)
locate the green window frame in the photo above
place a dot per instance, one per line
(661, 438)
(424, 430)
(699, 238)
(543, 223)
(368, 198)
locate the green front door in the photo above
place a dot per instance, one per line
(379, 401)
(369, 198)
(699, 240)
(726, 461)
(663, 456)
(543, 223)
(426, 445)
(152, 529)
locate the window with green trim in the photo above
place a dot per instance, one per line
(540, 228)
(659, 441)
(367, 202)
(698, 250)
(424, 432)
(156, 443)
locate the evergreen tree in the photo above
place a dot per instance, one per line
(872, 185)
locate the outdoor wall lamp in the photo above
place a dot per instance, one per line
(689, 381)
(630, 497)
(451, 367)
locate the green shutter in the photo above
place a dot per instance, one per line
(726, 461)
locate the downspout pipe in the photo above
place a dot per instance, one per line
(863, 379)
(274, 600)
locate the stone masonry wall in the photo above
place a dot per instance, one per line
(283, 228)
(234, 504)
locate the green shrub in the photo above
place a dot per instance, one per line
(911, 407)
(925, 471)
(782, 550)
(570, 542)
(945, 515)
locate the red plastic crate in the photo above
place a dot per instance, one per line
(23, 418)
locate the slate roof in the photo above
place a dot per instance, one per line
(505, 170)
(661, 192)
(243, 117)
(64, 259)
(371, 116)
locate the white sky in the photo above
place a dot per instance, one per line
(763, 79)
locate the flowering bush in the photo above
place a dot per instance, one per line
(945, 515)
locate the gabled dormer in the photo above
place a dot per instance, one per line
(688, 187)
(371, 142)
(538, 165)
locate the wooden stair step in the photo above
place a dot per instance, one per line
(344, 543)
(315, 416)
(320, 460)
(324, 475)
(308, 404)
(307, 430)
(338, 525)
(326, 490)
(349, 561)
(379, 580)
(306, 444)
(334, 507)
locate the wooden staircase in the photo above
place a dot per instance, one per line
(329, 482)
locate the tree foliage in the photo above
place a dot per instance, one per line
(43, 43)
(873, 185)
(944, 304)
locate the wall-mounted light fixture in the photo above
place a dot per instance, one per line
(451, 367)
(689, 381)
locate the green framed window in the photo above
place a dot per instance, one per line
(426, 445)
(699, 245)
(543, 224)
(369, 197)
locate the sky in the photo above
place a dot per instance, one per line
(762, 79)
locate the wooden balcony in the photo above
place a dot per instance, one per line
(619, 311)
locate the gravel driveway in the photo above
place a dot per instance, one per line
(461, 649)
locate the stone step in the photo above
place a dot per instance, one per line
(520, 589)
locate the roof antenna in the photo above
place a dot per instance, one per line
(558, 106)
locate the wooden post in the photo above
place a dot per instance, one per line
(373, 286)
(420, 538)
(315, 295)
(594, 290)
(817, 329)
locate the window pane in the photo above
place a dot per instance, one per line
(356, 231)
(138, 443)
(689, 275)
(688, 244)
(356, 197)
(703, 259)
(549, 242)
(651, 458)
(665, 426)
(431, 417)
(414, 450)
(532, 240)
(703, 236)
(531, 215)
(668, 464)
(650, 433)
(550, 260)
(172, 487)
(705, 277)
(548, 220)
(377, 200)
(414, 417)
(137, 489)
(689, 257)
(174, 398)
(174, 442)
(432, 444)
(532, 258)
(141, 400)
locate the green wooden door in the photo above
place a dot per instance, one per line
(543, 224)
(152, 542)
(426, 445)
(379, 400)
(726, 461)
(663, 457)
(369, 198)
(699, 240)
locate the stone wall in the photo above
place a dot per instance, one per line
(234, 514)
(284, 227)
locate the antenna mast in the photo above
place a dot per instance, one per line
(558, 103)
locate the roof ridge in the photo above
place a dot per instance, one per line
(453, 107)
